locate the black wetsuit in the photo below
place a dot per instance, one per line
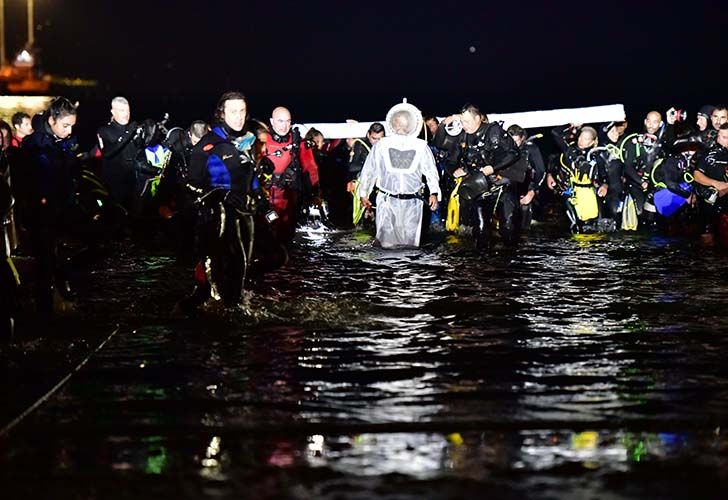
(220, 177)
(615, 174)
(714, 165)
(334, 178)
(120, 148)
(639, 154)
(46, 175)
(357, 156)
(173, 192)
(595, 167)
(491, 145)
(534, 177)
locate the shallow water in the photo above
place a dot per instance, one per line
(573, 367)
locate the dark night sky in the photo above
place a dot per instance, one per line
(331, 60)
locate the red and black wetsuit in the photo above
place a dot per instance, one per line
(294, 168)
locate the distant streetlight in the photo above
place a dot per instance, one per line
(24, 59)
(2, 33)
(31, 31)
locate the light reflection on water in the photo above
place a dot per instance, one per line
(622, 335)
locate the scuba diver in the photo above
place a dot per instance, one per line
(150, 163)
(295, 173)
(704, 126)
(175, 200)
(672, 180)
(318, 214)
(44, 183)
(221, 172)
(610, 136)
(580, 176)
(360, 149)
(120, 142)
(535, 172)
(438, 217)
(711, 180)
(640, 153)
(718, 116)
(486, 157)
(396, 166)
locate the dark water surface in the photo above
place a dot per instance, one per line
(574, 367)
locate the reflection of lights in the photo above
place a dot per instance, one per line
(418, 455)
(156, 460)
(283, 455)
(585, 440)
(316, 444)
(455, 438)
(213, 450)
(547, 450)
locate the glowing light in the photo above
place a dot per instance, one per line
(316, 443)
(24, 58)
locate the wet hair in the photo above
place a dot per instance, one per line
(516, 131)
(375, 128)
(231, 95)
(198, 128)
(475, 111)
(720, 107)
(18, 118)
(119, 100)
(312, 132)
(61, 107)
(723, 127)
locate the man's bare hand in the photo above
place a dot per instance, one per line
(528, 197)
(433, 202)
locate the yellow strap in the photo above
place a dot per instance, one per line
(14, 271)
(369, 149)
(452, 222)
(357, 209)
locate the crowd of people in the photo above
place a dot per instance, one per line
(230, 194)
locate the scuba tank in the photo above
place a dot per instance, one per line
(581, 192)
(452, 223)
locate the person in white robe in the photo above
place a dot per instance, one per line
(396, 166)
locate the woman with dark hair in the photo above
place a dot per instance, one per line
(7, 134)
(43, 182)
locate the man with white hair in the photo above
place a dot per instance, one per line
(119, 149)
(396, 166)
